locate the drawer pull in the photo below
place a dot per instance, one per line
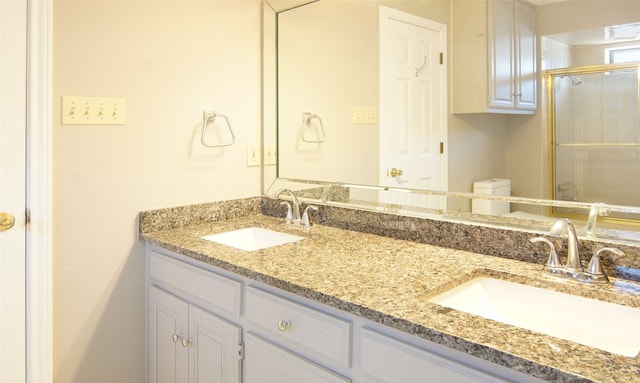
(284, 325)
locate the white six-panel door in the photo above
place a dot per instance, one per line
(413, 106)
(13, 66)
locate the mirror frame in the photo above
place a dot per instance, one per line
(272, 182)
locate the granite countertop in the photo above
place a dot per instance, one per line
(389, 281)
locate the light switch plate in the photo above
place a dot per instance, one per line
(365, 115)
(93, 110)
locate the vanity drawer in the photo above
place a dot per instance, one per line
(387, 359)
(203, 287)
(299, 325)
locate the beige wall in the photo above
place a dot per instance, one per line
(170, 60)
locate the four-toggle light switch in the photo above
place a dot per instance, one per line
(93, 110)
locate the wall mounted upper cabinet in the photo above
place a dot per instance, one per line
(494, 57)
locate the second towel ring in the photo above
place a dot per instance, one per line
(306, 120)
(210, 117)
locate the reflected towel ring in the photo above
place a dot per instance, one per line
(306, 121)
(211, 117)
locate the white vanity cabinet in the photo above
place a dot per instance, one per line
(494, 57)
(209, 325)
(188, 344)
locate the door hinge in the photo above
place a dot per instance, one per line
(441, 58)
(441, 147)
(241, 351)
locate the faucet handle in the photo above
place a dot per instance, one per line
(306, 219)
(595, 265)
(553, 262)
(289, 216)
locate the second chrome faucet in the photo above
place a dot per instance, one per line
(293, 210)
(573, 267)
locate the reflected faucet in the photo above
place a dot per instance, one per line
(293, 212)
(595, 211)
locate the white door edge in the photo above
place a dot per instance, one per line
(39, 185)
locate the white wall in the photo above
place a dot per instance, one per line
(170, 60)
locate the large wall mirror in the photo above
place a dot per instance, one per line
(322, 83)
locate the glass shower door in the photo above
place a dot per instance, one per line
(596, 136)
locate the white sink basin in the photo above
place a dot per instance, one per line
(252, 238)
(607, 326)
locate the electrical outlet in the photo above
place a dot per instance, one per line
(253, 155)
(93, 111)
(269, 154)
(365, 115)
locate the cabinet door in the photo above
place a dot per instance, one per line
(168, 321)
(214, 347)
(527, 82)
(388, 360)
(502, 54)
(268, 363)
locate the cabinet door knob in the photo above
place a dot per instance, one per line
(175, 338)
(284, 325)
(186, 342)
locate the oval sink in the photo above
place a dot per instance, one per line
(252, 238)
(603, 325)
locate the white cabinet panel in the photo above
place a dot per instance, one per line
(502, 54)
(299, 325)
(214, 352)
(187, 344)
(526, 71)
(168, 317)
(268, 363)
(385, 359)
(494, 64)
(208, 288)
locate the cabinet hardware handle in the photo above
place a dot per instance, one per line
(176, 338)
(284, 325)
(186, 342)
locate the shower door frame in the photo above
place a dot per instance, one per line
(549, 77)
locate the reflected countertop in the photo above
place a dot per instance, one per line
(390, 281)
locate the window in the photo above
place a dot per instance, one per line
(621, 55)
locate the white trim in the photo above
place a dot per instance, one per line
(39, 190)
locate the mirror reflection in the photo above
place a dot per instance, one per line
(330, 69)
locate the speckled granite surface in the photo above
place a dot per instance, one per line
(389, 281)
(506, 243)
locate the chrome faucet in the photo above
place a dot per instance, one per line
(573, 267)
(565, 227)
(293, 212)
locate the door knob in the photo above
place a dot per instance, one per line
(395, 172)
(7, 220)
